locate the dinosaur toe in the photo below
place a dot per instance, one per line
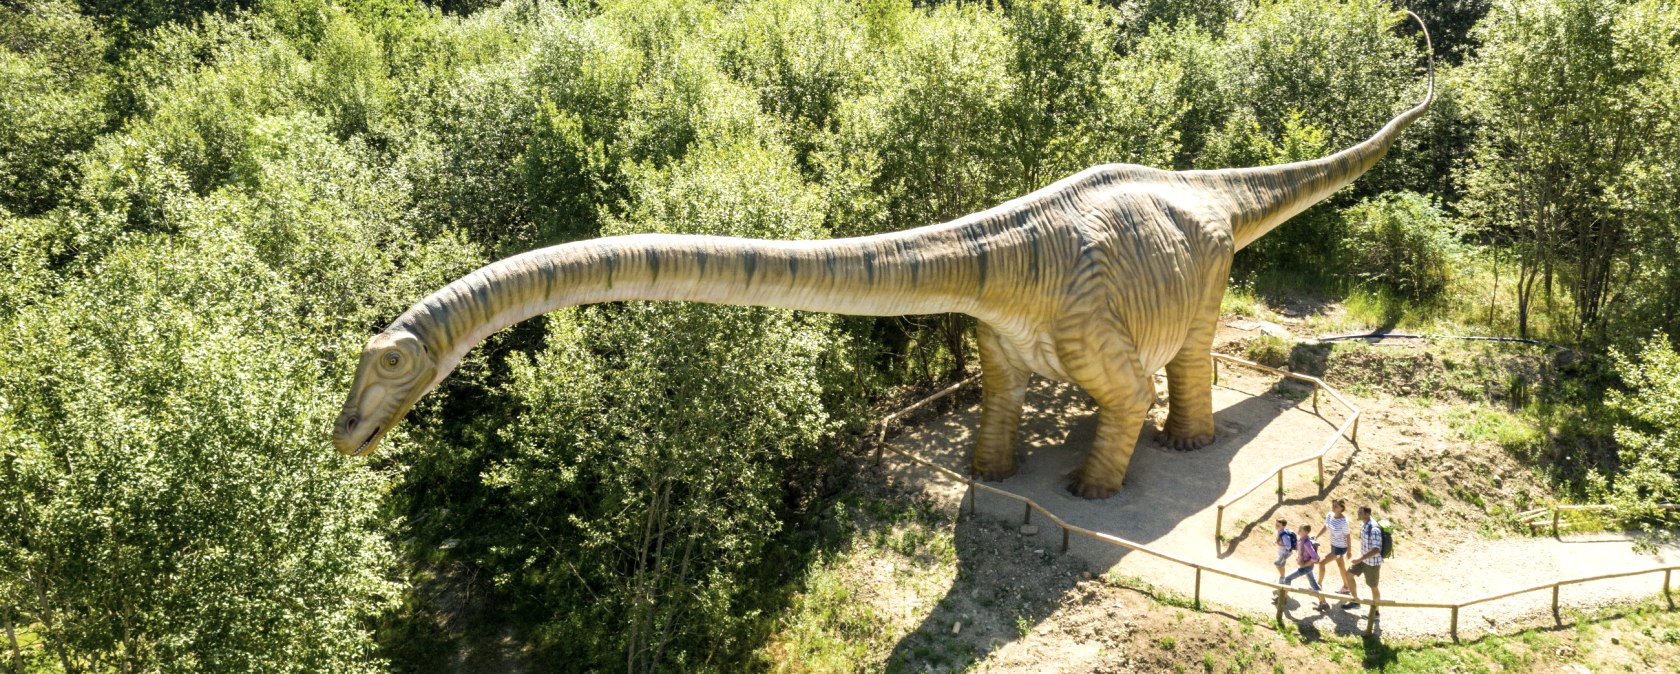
(1187, 443)
(1092, 490)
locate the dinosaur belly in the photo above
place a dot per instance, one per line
(1032, 349)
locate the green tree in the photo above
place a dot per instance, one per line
(1563, 92)
(646, 481)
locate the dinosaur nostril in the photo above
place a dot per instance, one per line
(350, 424)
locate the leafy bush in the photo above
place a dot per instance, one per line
(1401, 243)
(1649, 435)
(54, 89)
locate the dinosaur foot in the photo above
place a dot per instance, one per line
(994, 474)
(1185, 443)
(1091, 490)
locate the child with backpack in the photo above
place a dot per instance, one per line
(1308, 561)
(1286, 541)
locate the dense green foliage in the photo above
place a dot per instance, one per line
(1401, 243)
(1651, 436)
(206, 206)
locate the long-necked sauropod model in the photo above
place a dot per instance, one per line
(1099, 279)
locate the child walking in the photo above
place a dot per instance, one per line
(1286, 543)
(1308, 563)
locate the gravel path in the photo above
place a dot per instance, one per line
(1168, 504)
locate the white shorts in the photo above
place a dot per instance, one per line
(1283, 557)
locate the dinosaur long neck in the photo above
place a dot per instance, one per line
(927, 270)
(1260, 199)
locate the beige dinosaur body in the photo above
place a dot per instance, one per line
(1100, 279)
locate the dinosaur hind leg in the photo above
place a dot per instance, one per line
(1190, 396)
(1003, 389)
(1106, 364)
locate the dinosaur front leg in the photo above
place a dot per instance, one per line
(1003, 389)
(1190, 395)
(1111, 373)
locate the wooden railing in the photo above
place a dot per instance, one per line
(1348, 429)
(1537, 517)
(1281, 591)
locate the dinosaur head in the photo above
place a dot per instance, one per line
(396, 369)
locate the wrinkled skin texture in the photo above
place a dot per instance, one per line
(1100, 279)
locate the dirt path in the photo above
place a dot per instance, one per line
(1168, 503)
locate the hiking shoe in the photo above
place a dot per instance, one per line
(1343, 591)
(1350, 605)
(1323, 606)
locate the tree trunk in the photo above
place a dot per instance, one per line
(11, 637)
(1493, 293)
(47, 621)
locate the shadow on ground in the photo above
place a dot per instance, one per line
(1167, 496)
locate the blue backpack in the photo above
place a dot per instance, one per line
(1287, 539)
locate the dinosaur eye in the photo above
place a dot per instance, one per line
(392, 358)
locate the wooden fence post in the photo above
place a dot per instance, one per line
(1280, 485)
(1026, 517)
(1280, 595)
(1216, 371)
(1555, 514)
(1555, 615)
(1198, 588)
(1064, 539)
(1321, 486)
(1315, 398)
(1668, 574)
(1455, 623)
(1218, 526)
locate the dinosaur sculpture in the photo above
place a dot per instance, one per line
(1099, 279)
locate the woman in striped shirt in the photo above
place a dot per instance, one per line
(1337, 524)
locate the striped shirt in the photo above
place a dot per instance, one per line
(1370, 538)
(1339, 529)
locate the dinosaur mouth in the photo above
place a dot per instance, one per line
(367, 444)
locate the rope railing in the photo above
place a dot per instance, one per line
(1280, 591)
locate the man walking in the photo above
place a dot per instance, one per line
(1369, 563)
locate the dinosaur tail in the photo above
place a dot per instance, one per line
(1265, 197)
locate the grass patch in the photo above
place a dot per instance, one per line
(827, 626)
(827, 629)
(1268, 350)
(1606, 640)
(1240, 299)
(1517, 433)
